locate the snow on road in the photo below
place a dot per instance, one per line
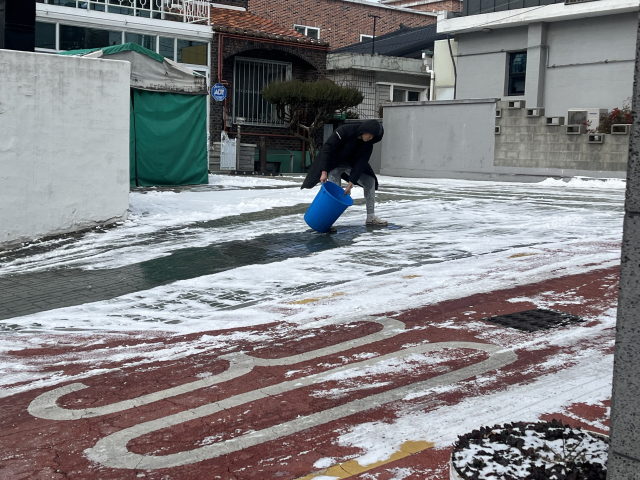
(447, 239)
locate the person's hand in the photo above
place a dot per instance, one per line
(323, 177)
(347, 191)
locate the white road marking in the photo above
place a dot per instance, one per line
(112, 450)
(45, 405)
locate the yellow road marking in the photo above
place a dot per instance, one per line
(315, 299)
(353, 467)
(518, 255)
(412, 276)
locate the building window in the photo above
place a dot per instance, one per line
(404, 94)
(194, 53)
(167, 47)
(250, 76)
(399, 95)
(146, 41)
(46, 35)
(517, 73)
(365, 37)
(63, 3)
(312, 32)
(78, 38)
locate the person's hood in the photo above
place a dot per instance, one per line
(374, 127)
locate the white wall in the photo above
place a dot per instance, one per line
(483, 62)
(575, 74)
(64, 144)
(578, 81)
(444, 81)
(439, 139)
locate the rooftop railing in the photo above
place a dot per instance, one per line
(187, 11)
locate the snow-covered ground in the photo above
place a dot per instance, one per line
(447, 239)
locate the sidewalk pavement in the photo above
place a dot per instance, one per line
(371, 398)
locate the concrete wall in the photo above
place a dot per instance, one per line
(64, 144)
(438, 138)
(531, 144)
(373, 76)
(565, 66)
(456, 139)
(482, 63)
(577, 81)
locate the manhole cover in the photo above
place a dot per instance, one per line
(534, 320)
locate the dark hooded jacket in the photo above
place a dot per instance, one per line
(343, 146)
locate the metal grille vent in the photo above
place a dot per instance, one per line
(535, 320)
(250, 77)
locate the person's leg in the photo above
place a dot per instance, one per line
(334, 175)
(369, 185)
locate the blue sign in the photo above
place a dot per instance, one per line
(219, 92)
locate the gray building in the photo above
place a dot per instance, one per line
(396, 67)
(558, 57)
(525, 75)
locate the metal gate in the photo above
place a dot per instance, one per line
(227, 152)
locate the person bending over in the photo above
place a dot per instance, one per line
(346, 154)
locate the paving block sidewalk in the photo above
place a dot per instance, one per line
(372, 397)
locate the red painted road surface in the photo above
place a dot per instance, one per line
(39, 448)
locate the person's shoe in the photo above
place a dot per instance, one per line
(374, 220)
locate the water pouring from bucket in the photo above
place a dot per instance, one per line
(326, 208)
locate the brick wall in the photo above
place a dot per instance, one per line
(307, 64)
(340, 23)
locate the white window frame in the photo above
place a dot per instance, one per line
(122, 40)
(365, 36)
(306, 29)
(288, 74)
(423, 90)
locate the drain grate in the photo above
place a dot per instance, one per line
(535, 320)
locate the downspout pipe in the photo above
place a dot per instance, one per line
(220, 80)
(432, 83)
(455, 70)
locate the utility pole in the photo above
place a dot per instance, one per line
(624, 450)
(373, 42)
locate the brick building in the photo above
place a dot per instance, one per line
(340, 22)
(248, 52)
(427, 5)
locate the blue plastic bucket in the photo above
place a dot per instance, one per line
(326, 208)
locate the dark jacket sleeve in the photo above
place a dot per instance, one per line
(328, 150)
(361, 162)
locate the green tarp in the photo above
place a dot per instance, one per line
(170, 138)
(168, 117)
(132, 145)
(124, 47)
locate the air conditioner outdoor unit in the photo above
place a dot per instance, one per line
(588, 116)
